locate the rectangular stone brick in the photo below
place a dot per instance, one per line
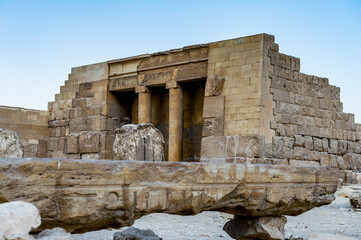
(89, 142)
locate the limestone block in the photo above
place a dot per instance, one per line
(300, 153)
(90, 156)
(213, 147)
(84, 195)
(72, 144)
(304, 163)
(333, 147)
(341, 147)
(142, 142)
(351, 161)
(283, 147)
(317, 144)
(17, 219)
(325, 144)
(299, 141)
(250, 146)
(213, 107)
(89, 142)
(213, 127)
(10, 145)
(267, 228)
(42, 148)
(214, 86)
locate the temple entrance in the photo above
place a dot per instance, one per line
(153, 106)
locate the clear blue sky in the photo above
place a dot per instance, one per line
(40, 40)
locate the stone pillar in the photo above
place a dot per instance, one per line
(144, 105)
(175, 141)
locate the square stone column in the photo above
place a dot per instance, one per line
(175, 142)
(144, 104)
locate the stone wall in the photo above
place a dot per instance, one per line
(274, 114)
(257, 106)
(243, 109)
(310, 127)
(31, 126)
(80, 125)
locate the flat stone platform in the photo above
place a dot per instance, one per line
(85, 195)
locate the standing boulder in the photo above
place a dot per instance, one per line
(267, 228)
(142, 142)
(10, 146)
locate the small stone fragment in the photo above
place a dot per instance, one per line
(133, 233)
(266, 228)
(355, 200)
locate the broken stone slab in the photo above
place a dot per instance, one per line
(266, 228)
(86, 195)
(17, 219)
(133, 233)
(10, 146)
(139, 142)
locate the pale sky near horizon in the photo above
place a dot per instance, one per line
(41, 40)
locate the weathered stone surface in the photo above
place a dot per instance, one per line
(72, 144)
(84, 195)
(249, 146)
(214, 86)
(266, 228)
(17, 219)
(10, 145)
(142, 142)
(89, 142)
(355, 199)
(133, 233)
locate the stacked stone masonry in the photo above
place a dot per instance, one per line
(237, 100)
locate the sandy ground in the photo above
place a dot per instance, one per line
(336, 218)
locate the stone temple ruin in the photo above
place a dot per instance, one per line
(230, 126)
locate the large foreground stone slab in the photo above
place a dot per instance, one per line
(84, 195)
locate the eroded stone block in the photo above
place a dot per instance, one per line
(89, 142)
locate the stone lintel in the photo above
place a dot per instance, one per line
(142, 89)
(172, 84)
